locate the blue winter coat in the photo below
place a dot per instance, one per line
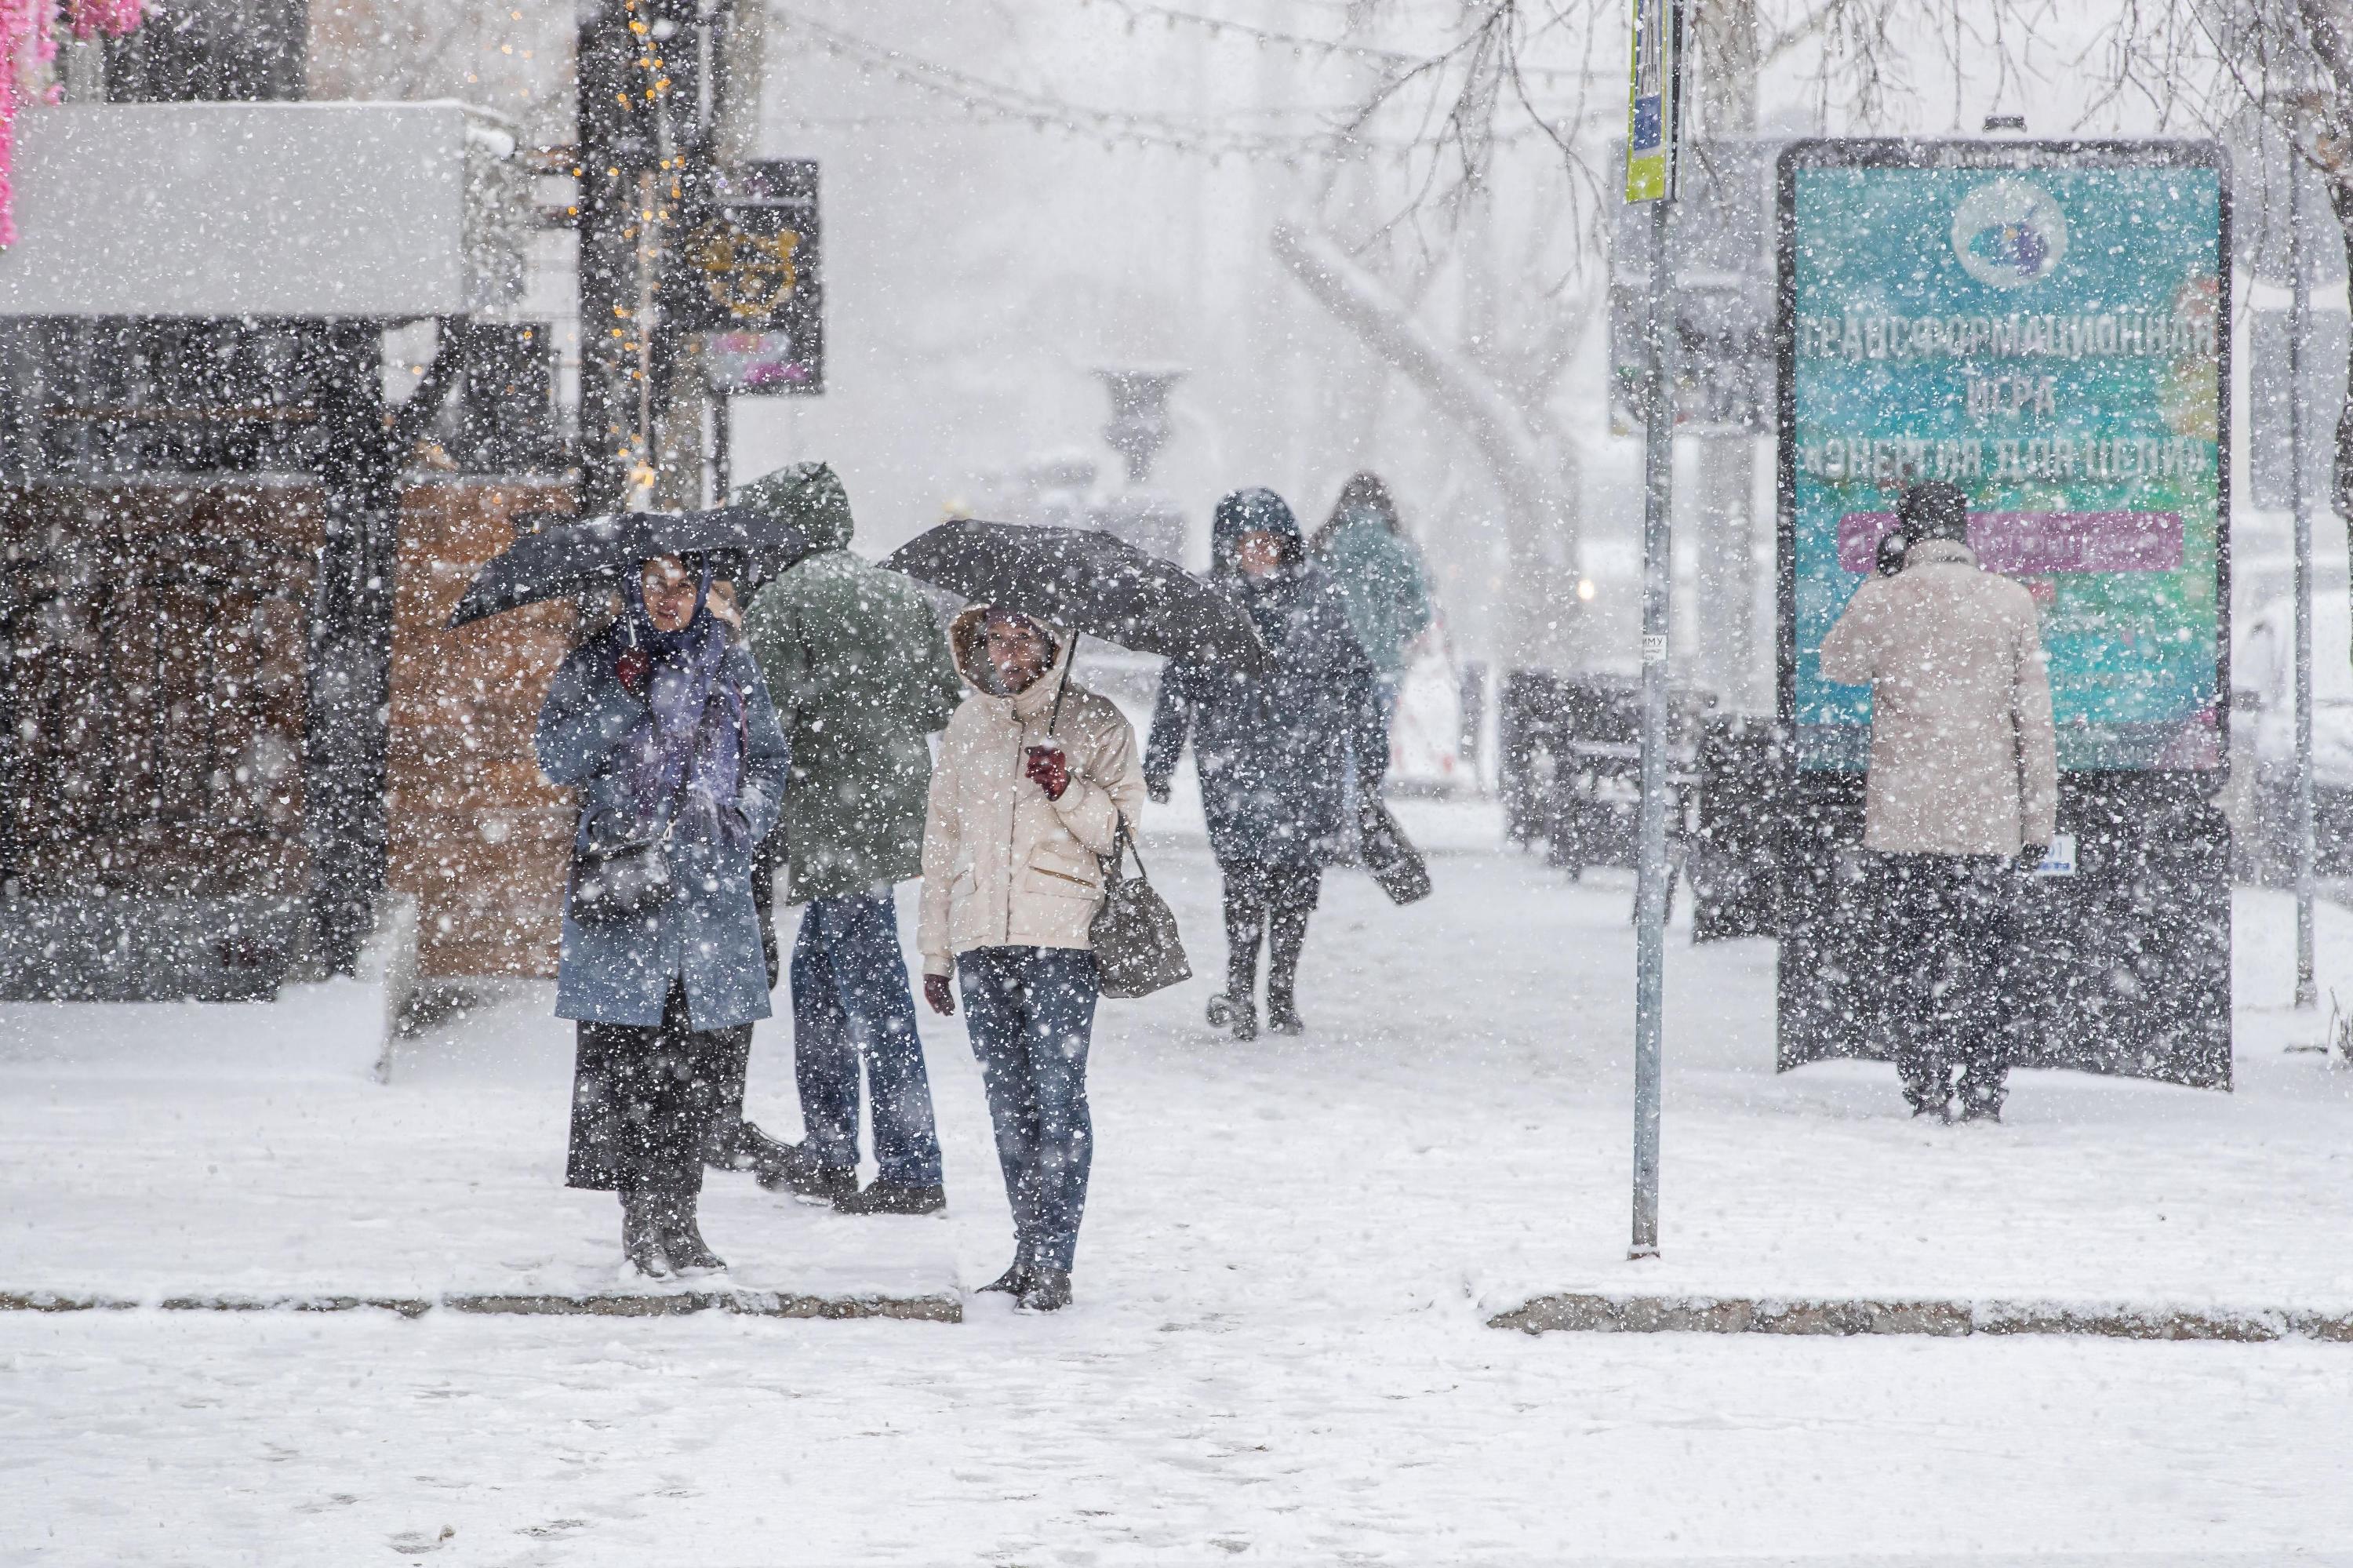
(1271, 749)
(620, 970)
(1381, 575)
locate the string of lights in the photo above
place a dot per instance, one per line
(1003, 103)
(981, 99)
(1303, 46)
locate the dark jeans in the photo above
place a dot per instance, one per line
(851, 1000)
(644, 1100)
(1951, 926)
(1273, 902)
(1031, 1012)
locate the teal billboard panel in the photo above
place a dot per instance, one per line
(2045, 325)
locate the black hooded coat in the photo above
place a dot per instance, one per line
(1271, 749)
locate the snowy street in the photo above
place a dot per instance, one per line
(489, 493)
(1279, 1350)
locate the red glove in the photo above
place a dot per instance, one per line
(1049, 769)
(936, 992)
(630, 669)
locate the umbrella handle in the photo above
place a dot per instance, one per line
(1056, 716)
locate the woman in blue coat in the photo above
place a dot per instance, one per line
(664, 727)
(1272, 750)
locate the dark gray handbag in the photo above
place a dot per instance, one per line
(612, 881)
(1137, 949)
(1389, 855)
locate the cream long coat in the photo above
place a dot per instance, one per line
(1963, 758)
(1004, 866)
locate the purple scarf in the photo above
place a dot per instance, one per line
(685, 738)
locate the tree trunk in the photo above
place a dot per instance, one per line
(2327, 27)
(1534, 462)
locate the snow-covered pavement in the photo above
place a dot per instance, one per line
(1279, 1350)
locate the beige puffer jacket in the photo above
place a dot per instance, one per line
(1963, 757)
(1003, 865)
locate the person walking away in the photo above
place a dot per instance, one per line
(1384, 584)
(861, 674)
(664, 728)
(1271, 750)
(1962, 794)
(1035, 776)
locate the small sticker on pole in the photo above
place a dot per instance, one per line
(2059, 858)
(1651, 122)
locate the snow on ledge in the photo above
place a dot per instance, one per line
(1629, 1314)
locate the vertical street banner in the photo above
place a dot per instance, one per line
(1651, 118)
(748, 276)
(2044, 325)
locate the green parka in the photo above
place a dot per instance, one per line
(860, 674)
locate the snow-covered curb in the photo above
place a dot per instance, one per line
(930, 1308)
(1619, 1314)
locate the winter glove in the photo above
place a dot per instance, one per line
(1889, 559)
(936, 992)
(1049, 769)
(1156, 793)
(630, 668)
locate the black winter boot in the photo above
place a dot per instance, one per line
(749, 1149)
(1012, 1282)
(1049, 1290)
(1235, 1013)
(790, 1169)
(1245, 928)
(682, 1238)
(1286, 937)
(893, 1198)
(641, 1238)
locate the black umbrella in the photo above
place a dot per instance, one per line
(751, 546)
(1087, 581)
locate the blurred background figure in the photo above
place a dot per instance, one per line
(862, 676)
(1271, 751)
(1385, 584)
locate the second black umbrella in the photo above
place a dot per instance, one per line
(1087, 581)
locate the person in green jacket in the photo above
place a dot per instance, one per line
(1386, 588)
(860, 674)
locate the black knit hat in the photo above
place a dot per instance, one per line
(1254, 510)
(1935, 510)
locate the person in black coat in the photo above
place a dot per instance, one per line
(1272, 750)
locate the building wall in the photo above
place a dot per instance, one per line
(156, 703)
(476, 834)
(155, 698)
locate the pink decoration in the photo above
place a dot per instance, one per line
(2027, 543)
(114, 17)
(28, 41)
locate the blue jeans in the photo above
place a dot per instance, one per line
(1031, 1012)
(851, 1000)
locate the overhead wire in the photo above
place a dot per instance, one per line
(1303, 44)
(1003, 103)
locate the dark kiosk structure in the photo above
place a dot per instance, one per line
(2045, 324)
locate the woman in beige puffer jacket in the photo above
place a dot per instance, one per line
(1034, 775)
